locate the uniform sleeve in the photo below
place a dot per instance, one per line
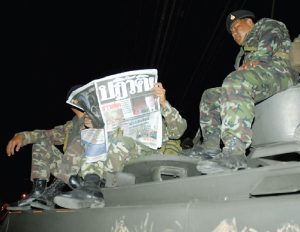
(175, 124)
(55, 135)
(271, 35)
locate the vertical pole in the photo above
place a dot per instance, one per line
(272, 10)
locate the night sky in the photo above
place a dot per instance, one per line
(51, 45)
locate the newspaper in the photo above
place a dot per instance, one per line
(123, 101)
(93, 142)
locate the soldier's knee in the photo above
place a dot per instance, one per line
(238, 80)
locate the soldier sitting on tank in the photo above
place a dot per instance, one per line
(48, 159)
(122, 149)
(227, 112)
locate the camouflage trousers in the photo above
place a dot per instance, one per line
(227, 112)
(121, 150)
(48, 159)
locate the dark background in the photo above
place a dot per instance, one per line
(51, 45)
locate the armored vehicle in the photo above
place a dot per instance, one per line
(168, 193)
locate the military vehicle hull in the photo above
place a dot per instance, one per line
(257, 199)
(279, 213)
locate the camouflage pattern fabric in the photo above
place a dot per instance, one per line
(174, 124)
(47, 158)
(70, 161)
(233, 103)
(210, 119)
(122, 149)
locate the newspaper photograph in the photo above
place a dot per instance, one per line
(93, 142)
(85, 98)
(123, 101)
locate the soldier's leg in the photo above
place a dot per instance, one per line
(88, 194)
(69, 164)
(123, 149)
(210, 123)
(51, 160)
(43, 154)
(237, 112)
(210, 120)
(62, 167)
(240, 91)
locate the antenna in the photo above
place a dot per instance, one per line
(272, 10)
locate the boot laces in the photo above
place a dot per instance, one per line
(56, 185)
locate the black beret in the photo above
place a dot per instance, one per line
(239, 14)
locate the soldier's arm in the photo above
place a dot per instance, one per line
(270, 35)
(55, 135)
(175, 124)
(29, 137)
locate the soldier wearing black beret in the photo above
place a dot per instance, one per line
(239, 14)
(262, 70)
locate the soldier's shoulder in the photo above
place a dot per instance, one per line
(269, 21)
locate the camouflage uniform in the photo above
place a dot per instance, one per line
(47, 158)
(228, 111)
(123, 148)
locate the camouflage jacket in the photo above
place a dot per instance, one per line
(59, 135)
(174, 124)
(268, 41)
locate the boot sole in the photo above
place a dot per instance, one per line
(39, 205)
(73, 203)
(17, 208)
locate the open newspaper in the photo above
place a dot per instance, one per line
(121, 102)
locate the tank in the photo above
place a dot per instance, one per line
(168, 193)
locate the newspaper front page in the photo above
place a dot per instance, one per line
(123, 101)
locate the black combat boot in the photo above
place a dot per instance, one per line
(38, 188)
(88, 195)
(75, 181)
(45, 201)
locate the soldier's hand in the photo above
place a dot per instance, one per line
(14, 145)
(160, 92)
(250, 64)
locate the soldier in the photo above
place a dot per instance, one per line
(122, 149)
(47, 158)
(227, 112)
